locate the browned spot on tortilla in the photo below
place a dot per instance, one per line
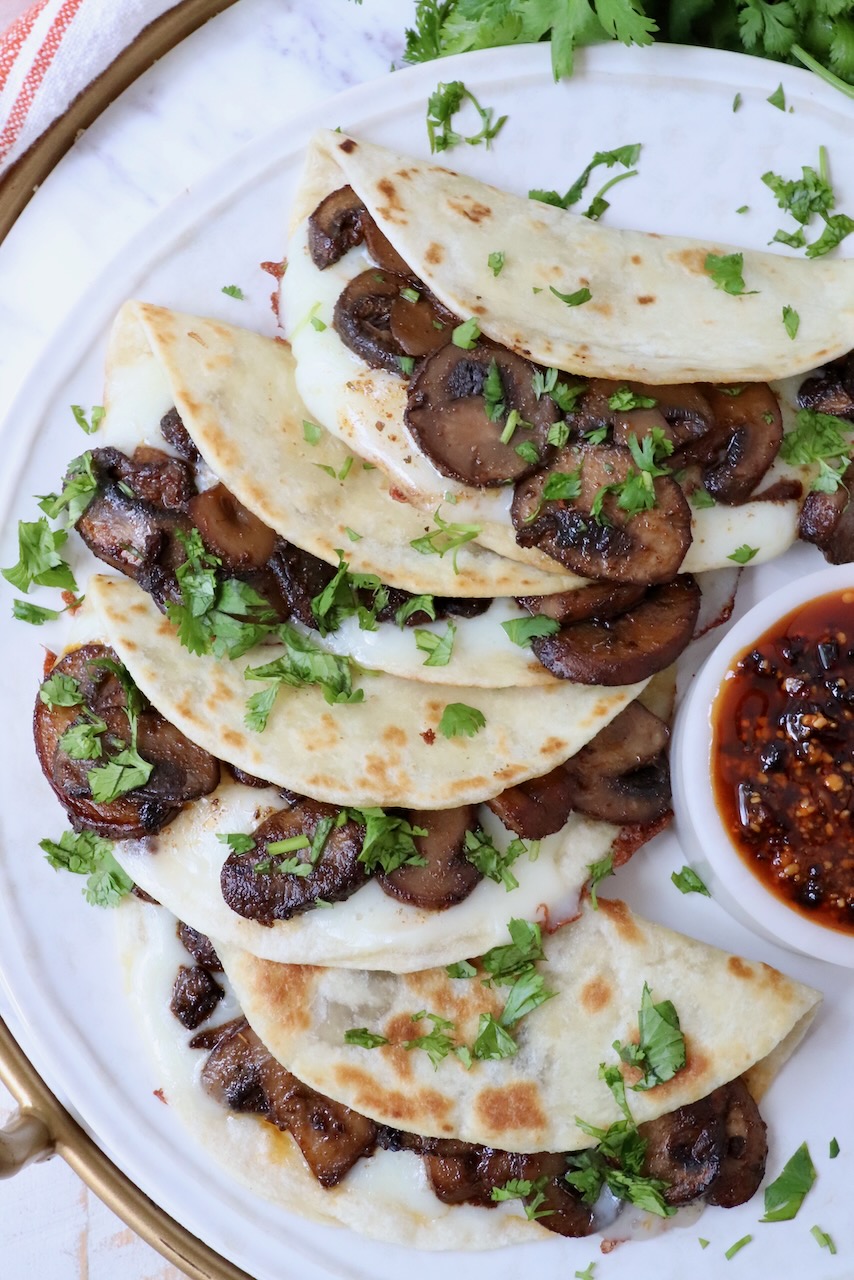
(552, 745)
(287, 988)
(405, 173)
(595, 995)
(603, 308)
(621, 918)
(348, 146)
(232, 738)
(392, 1104)
(774, 977)
(636, 259)
(386, 188)
(474, 211)
(739, 969)
(645, 299)
(513, 1106)
(694, 260)
(435, 254)
(394, 735)
(185, 707)
(197, 338)
(479, 309)
(130, 645)
(380, 426)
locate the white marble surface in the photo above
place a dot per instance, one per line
(247, 70)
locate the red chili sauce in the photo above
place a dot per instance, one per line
(783, 754)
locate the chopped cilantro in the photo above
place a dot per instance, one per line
(39, 561)
(576, 299)
(234, 291)
(523, 630)
(318, 324)
(311, 432)
(89, 855)
(410, 295)
(418, 604)
(461, 721)
(687, 881)
(562, 486)
(437, 648)
(494, 863)
(660, 1051)
(78, 490)
(462, 969)
(558, 434)
(352, 534)
(303, 663)
(82, 740)
(743, 554)
(837, 227)
(90, 425)
(777, 98)
(467, 334)
(493, 1041)
(785, 1195)
(737, 101)
(531, 1193)
(364, 1038)
(340, 599)
(701, 499)
(36, 614)
(446, 537)
(493, 395)
(822, 1239)
(442, 106)
(726, 270)
(223, 616)
(528, 452)
(389, 840)
(791, 322)
(599, 871)
(624, 399)
(743, 208)
(627, 156)
(495, 262)
(407, 364)
(437, 1044)
(833, 1149)
(236, 841)
(735, 1248)
(61, 691)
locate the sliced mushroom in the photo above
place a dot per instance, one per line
(447, 415)
(831, 389)
(374, 319)
(827, 520)
(156, 477)
(272, 895)
(563, 1211)
(753, 426)
(622, 775)
(745, 1149)
(448, 877)
(301, 576)
(536, 808)
(182, 771)
(195, 995)
(131, 815)
(594, 600)
(175, 433)
(631, 647)
(242, 1075)
(685, 1148)
(339, 223)
(199, 946)
(682, 412)
(230, 530)
(644, 548)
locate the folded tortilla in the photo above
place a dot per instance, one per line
(738, 1018)
(386, 1197)
(180, 867)
(237, 398)
(655, 314)
(386, 750)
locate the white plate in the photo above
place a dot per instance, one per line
(700, 162)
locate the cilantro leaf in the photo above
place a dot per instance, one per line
(86, 854)
(495, 262)
(627, 156)
(303, 663)
(599, 871)
(61, 691)
(340, 599)
(785, 1195)
(35, 614)
(624, 399)
(389, 840)
(437, 1044)
(743, 554)
(778, 98)
(78, 490)
(467, 334)
(446, 537)
(493, 1041)
(576, 299)
(364, 1038)
(837, 227)
(494, 863)
(521, 631)
(39, 561)
(437, 648)
(726, 270)
(418, 604)
(661, 1048)
(462, 969)
(90, 425)
(123, 772)
(687, 881)
(311, 432)
(461, 721)
(234, 291)
(236, 841)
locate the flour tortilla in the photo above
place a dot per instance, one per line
(180, 867)
(386, 750)
(738, 1017)
(237, 397)
(386, 1197)
(655, 314)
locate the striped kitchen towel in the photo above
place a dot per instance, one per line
(51, 52)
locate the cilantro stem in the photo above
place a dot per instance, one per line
(814, 65)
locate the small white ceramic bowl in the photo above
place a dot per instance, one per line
(701, 831)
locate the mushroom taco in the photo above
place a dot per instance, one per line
(414, 1153)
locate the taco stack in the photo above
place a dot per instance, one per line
(378, 689)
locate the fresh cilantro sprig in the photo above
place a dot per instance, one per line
(126, 769)
(443, 104)
(39, 562)
(530, 1191)
(78, 489)
(821, 438)
(340, 599)
(660, 1051)
(627, 156)
(91, 424)
(810, 196)
(89, 855)
(447, 536)
(218, 615)
(389, 840)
